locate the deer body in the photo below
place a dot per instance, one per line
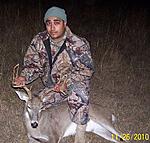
(49, 124)
(52, 124)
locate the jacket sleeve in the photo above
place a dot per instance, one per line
(83, 68)
(32, 68)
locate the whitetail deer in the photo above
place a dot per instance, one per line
(50, 125)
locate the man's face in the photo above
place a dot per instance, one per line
(55, 27)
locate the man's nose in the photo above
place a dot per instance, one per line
(52, 27)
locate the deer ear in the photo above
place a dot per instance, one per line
(22, 95)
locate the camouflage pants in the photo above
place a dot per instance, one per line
(78, 102)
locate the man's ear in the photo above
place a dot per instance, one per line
(22, 95)
(65, 23)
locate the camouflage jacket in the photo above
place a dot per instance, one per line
(74, 62)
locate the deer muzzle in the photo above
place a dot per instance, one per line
(34, 125)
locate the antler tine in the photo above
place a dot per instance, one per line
(15, 72)
(49, 90)
(28, 91)
(15, 75)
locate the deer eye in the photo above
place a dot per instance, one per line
(29, 107)
(42, 107)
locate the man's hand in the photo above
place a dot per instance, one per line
(60, 87)
(19, 81)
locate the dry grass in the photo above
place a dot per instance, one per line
(120, 48)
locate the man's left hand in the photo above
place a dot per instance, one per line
(60, 87)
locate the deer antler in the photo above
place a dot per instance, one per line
(15, 75)
(62, 81)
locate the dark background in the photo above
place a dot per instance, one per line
(118, 32)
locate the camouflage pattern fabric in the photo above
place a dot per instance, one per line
(74, 64)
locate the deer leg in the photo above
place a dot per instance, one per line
(80, 134)
(36, 140)
(32, 140)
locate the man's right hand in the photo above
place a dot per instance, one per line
(19, 81)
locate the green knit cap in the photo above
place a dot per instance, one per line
(57, 12)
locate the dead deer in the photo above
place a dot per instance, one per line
(51, 124)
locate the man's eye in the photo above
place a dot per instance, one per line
(48, 23)
(57, 22)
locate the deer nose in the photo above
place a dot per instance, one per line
(34, 125)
